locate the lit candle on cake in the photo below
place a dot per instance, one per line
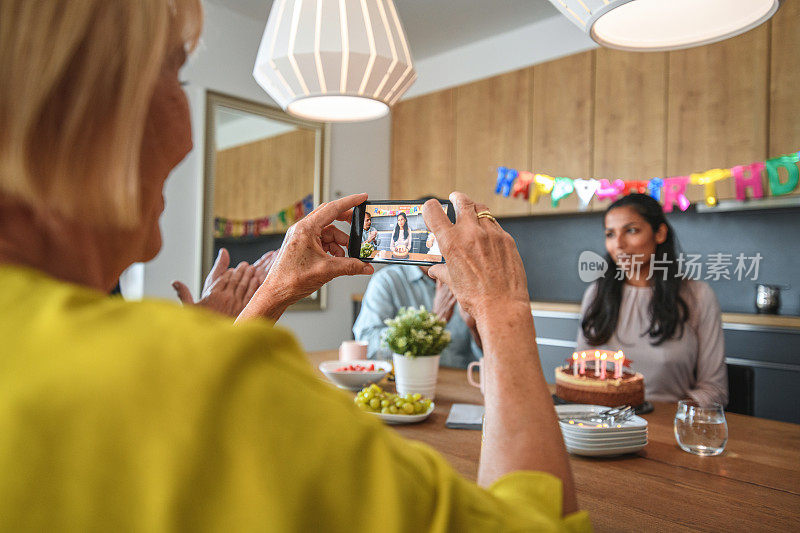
(597, 363)
(575, 363)
(583, 363)
(603, 366)
(618, 358)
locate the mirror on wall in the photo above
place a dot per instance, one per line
(264, 170)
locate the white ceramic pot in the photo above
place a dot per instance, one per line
(416, 374)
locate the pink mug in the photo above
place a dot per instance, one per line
(353, 351)
(479, 383)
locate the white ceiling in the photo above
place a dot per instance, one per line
(436, 26)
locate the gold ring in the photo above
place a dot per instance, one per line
(487, 214)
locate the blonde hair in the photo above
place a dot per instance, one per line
(77, 77)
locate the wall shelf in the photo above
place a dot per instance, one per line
(750, 205)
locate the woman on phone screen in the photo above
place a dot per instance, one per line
(401, 238)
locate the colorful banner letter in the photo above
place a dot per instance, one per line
(542, 184)
(749, 176)
(522, 185)
(505, 178)
(674, 191)
(585, 189)
(562, 188)
(789, 162)
(654, 187)
(709, 179)
(608, 190)
(635, 186)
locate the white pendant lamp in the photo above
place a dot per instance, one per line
(334, 60)
(655, 25)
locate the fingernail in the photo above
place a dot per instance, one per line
(219, 253)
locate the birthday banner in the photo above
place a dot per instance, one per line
(409, 210)
(669, 191)
(280, 221)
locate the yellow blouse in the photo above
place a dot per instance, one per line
(121, 416)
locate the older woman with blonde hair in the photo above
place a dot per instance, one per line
(147, 416)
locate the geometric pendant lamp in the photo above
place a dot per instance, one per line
(334, 60)
(657, 25)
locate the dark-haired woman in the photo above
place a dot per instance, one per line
(401, 238)
(670, 327)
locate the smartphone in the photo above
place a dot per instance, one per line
(393, 231)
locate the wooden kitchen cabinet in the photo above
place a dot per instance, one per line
(423, 146)
(717, 112)
(492, 130)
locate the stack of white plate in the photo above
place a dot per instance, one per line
(597, 439)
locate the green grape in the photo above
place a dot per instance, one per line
(377, 400)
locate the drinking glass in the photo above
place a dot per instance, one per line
(701, 429)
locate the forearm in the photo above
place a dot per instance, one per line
(268, 301)
(520, 427)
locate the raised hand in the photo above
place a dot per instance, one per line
(443, 301)
(225, 290)
(484, 270)
(312, 254)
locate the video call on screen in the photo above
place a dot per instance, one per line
(397, 232)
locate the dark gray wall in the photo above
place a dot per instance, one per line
(550, 246)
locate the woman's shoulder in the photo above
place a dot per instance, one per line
(202, 330)
(109, 342)
(699, 291)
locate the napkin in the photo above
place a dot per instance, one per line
(465, 416)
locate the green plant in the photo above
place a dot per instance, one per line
(366, 249)
(416, 332)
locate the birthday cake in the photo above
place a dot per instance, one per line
(400, 251)
(587, 379)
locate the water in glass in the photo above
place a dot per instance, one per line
(700, 429)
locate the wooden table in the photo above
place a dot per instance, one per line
(386, 255)
(753, 486)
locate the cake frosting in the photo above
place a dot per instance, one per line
(590, 389)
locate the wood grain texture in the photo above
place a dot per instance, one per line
(753, 486)
(784, 132)
(423, 145)
(630, 113)
(784, 83)
(492, 130)
(717, 108)
(263, 177)
(562, 123)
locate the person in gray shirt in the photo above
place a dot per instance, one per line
(399, 286)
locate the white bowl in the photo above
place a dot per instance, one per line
(354, 381)
(404, 419)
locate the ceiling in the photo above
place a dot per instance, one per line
(435, 26)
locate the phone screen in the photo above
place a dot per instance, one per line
(395, 232)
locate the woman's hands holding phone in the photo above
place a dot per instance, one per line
(484, 269)
(485, 272)
(312, 254)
